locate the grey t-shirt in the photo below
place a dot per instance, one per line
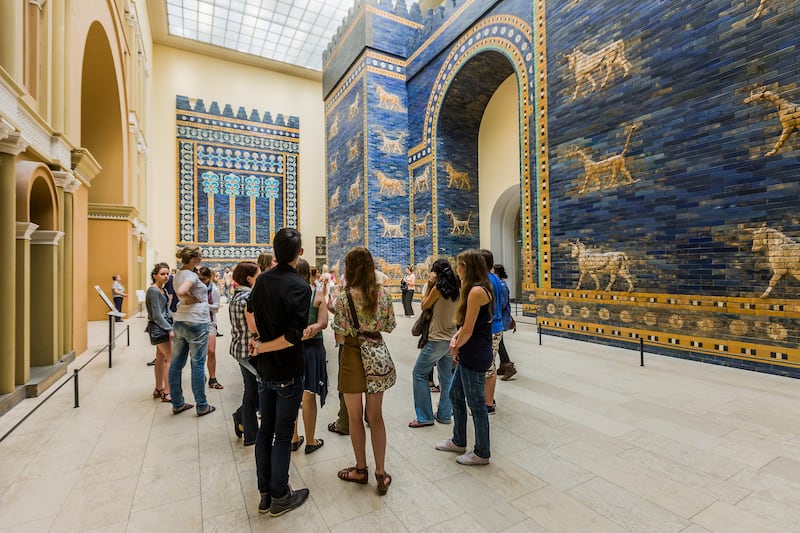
(117, 286)
(196, 313)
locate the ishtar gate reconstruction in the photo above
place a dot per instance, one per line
(634, 167)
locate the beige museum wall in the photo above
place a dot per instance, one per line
(196, 76)
(498, 153)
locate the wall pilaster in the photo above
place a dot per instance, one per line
(11, 144)
(22, 279)
(45, 348)
(68, 184)
(11, 24)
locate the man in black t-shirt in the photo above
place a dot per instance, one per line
(279, 302)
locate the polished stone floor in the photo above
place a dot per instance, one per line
(584, 440)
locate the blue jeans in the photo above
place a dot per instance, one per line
(434, 353)
(190, 339)
(470, 384)
(247, 411)
(280, 401)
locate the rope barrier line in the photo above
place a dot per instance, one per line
(73, 378)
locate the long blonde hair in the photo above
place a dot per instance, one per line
(475, 273)
(359, 268)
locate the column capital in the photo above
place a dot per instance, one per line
(6, 128)
(25, 230)
(85, 165)
(44, 236)
(13, 144)
(66, 180)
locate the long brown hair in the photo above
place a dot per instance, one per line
(303, 270)
(359, 268)
(475, 273)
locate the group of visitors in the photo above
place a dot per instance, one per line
(187, 332)
(278, 308)
(476, 299)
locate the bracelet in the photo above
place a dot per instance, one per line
(254, 336)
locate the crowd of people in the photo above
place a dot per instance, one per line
(279, 307)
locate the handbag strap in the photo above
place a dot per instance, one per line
(353, 314)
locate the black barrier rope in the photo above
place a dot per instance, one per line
(73, 378)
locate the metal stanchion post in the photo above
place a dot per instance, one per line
(539, 328)
(110, 338)
(128, 332)
(75, 378)
(641, 351)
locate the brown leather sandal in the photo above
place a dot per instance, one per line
(384, 480)
(361, 473)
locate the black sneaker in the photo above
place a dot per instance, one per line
(266, 501)
(152, 363)
(238, 428)
(293, 500)
(492, 409)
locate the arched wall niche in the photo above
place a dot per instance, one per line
(102, 121)
(459, 87)
(505, 224)
(456, 141)
(37, 201)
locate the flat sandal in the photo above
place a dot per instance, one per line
(384, 480)
(344, 475)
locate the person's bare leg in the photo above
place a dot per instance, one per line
(491, 384)
(358, 435)
(377, 429)
(158, 369)
(310, 417)
(211, 358)
(296, 435)
(167, 350)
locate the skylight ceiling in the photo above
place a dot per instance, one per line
(290, 31)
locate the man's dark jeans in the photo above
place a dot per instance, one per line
(250, 402)
(280, 401)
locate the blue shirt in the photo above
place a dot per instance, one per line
(499, 296)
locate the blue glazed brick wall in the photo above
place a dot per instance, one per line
(700, 181)
(655, 164)
(230, 164)
(346, 206)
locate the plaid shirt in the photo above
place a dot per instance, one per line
(239, 331)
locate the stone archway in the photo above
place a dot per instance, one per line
(495, 49)
(110, 246)
(39, 325)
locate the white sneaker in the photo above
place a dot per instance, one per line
(448, 445)
(470, 458)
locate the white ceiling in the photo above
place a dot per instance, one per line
(290, 31)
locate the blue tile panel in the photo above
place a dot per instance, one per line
(237, 179)
(652, 151)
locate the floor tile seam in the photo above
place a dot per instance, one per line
(479, 480)
(637, 470)
(516, 433)
(534, 491)
(160, 504)
(15, 527)
(609, 518)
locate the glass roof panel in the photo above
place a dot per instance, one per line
(297, 31)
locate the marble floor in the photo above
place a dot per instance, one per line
(584, 439)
